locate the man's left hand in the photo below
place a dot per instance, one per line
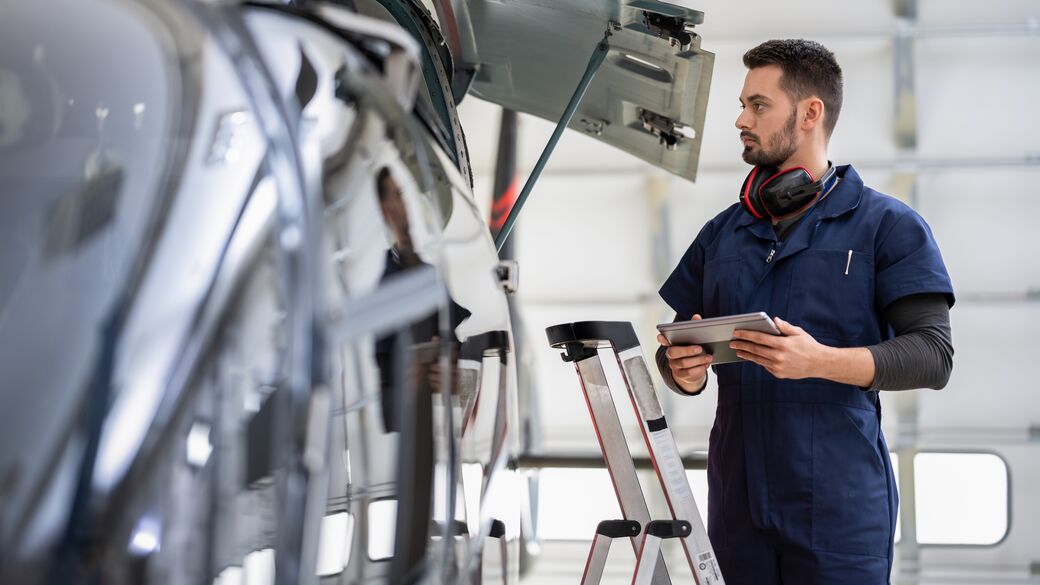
(793, 355)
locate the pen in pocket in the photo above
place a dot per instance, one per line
(848, 263)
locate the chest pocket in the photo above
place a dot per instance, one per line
(832, 296)
(722, 285)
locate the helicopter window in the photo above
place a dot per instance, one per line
(334, 543)
(382, 517)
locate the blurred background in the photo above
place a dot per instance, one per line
(939, 111)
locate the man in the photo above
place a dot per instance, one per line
(801, 488)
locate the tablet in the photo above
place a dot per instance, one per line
(714, 334)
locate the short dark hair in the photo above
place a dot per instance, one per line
(809, 69)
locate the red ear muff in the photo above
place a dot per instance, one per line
(787, 192)
(770, 192)
(750, 196)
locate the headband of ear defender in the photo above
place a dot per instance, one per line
(779, 194)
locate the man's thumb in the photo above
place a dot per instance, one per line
(785, 327)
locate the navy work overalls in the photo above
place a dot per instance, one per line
(801, 488)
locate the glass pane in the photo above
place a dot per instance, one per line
(962, 498)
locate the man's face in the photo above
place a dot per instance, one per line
(767, 119)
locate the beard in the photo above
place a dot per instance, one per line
(781, 146)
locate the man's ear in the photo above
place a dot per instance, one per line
(812, 113)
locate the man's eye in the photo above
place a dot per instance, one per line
(760, 107)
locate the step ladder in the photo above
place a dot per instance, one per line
(580, 343)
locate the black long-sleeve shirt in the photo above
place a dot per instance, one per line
(919, 356)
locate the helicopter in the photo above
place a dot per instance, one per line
(254, 326)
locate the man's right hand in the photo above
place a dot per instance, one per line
(689, 363)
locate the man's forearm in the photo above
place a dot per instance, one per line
(921, 353)
(847, 365)
(919, 356)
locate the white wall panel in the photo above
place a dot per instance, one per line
(693, 205)
(865, 125)
(984, 221)
(976, 96)
(994, 382)
(584, 238)
(754, 18)
(1000, 12)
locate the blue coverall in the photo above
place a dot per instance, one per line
(801, 488)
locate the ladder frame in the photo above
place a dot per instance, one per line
(581, 342)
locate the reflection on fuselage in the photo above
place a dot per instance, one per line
(396, 440)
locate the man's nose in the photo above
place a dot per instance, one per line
(743, 121)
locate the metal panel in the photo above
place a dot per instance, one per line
(530, 56)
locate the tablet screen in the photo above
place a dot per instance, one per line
(714, 334)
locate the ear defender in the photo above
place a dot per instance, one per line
(778, 194)
(749, 191)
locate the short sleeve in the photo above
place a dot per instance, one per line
(683, 290)
(908, 262)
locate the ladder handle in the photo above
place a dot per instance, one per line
(478, 346)
(619, 334)
(458, 528)
(498, 529)
(618, 528)
(668, 528)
